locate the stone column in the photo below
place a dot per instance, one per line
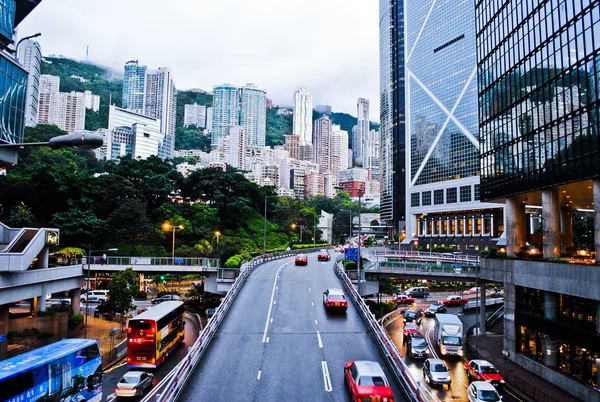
(447, 226)
(492, 225)
(464, 231)
(75, 302)
(456, 226)
(551, 352)
(41, 301)
(551, 223)
(482, 315)
(566, 227)
(515, 225)
(4, 329)
(425, 224)
(597, 218)
(550, 306)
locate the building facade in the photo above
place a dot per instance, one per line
(49, 83)
(322, 144)
(363, 126)
(303, 110)
(253, 114)
(540, 146)
(194, 115)
(392, 112)
(160, 101)
(442, 131)
(134, 83)
(225, 110)
(92, 101)
(66, 110)
(339, 146)
(237, 146)
(30, 57)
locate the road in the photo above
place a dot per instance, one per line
(460, 382)
(278, 343)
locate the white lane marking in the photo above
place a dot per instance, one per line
(274, 301)
(309, 289)
(271, 320)
(111, 397)
(258, 375)
(268, 339)
(313, 303)
(326, 378)
(319, 339)
(271, 303)
(277, 287)
(316, 322)
(308, 278)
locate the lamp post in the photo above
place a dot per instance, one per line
(167, 226)
(87, 299)
(265, 229)
(349, 220)
(294, 226)
(21, 41)
(217, 233)
(361, 190)
(73, 140)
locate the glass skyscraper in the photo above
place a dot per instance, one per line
(391, 75)
(226, 110)
(253, 114)
(134, 82)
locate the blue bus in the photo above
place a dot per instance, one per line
(69, 370)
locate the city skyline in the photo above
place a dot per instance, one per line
(290, 60)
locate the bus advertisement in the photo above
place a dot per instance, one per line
(69, 370)
(152, 335)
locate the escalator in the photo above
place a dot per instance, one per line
(22, 241)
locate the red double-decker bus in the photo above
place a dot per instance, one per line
(152, 335)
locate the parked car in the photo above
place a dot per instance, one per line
(413, 315)
(482, 370)
(454, 300)
(416, 346)
(94, 296)
(158, 300)
(367, 381)
(434, 309)
(334, 299)
(404, 299)
(134, 383)
(323, 255)
(435, 372)
(481, 391)
(301, 259)
(409, 328)
(473, 291)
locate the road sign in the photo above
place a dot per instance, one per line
(351, 254)
(2, 337)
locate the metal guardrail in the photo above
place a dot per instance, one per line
(179, 376)
(425, 267)
(411, 386)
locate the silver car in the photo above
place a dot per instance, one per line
(134, 383)
(435, 372)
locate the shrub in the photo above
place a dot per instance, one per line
(234, 261)
(75, 320)
(25, 332)
(45, 335)
(48, 313)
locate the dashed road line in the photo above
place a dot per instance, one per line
(319, 339)
(258, 375)
(326, 378)
(272, 302)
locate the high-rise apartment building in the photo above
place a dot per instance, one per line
(63, 109)
(194, 115)
(303, 115)
(392, 130)
(539, 128)
(30, 57)
(339, 146)
(237, 146)
(372, 153)
(49, 83)
(253, 114)
(322, 144)
(134, 83)
(441, 130)
(160, 101)
(292, 145)
(225, 110)
(209, 119)
(363, 126)
(92, 101)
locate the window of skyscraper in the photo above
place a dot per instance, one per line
(438, 197)
(451, 195)
(476, 191)
(465, 194)
(415, 200)
(426, 197)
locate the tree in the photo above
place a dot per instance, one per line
(387, 286)
(122, 290)
(22, 216)
(80, 227)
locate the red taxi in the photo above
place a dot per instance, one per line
(367, 382)
(334, 299)
(482, 370)
(404, 299)
(323, 255)
(409, 328)
(454, 300)
(301, 259)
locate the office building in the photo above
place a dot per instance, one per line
(339, 147)
(225, 110)
(363, 126)
(253, 114)
(442, 133)
(322, 144)
(392, 130)
(372, 153)
(539, 148)
(134, 83)
(30, 57)
(194, 115)
(92, 101)
(303, 115)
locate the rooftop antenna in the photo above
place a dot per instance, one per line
(87, 52)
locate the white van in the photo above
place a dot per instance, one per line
(95, 296)
(418, 292)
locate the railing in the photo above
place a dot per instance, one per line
(157, 261)
(424, 267)
(421, 255)
(410, 385)
(179, 376)
(498, 314)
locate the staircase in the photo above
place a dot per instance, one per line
(495, 323)
(22, 241)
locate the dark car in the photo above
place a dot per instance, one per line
(158, 300)
(434, 309)
(413, 315)
(416, 346)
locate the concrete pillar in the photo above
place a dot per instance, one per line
(4, 329)
(464, 231)
(550, 352)
(456, 226)
(515, 227)
(551, 223)
(425, 226)
(550, 306)
(75, 302)
(492, 225)
(447, 226)
(597, 218)
(598, 319)
(482, 315)
(566, 227)
(41, 301)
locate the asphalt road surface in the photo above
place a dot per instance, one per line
(278, 343)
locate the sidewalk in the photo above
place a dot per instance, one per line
(522, 382)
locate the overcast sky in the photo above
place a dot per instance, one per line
(329, 46)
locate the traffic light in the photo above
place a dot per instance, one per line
(162, 277)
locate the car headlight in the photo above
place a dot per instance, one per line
(443, 350)
(460, 352)
(427, 351)
(502, 381)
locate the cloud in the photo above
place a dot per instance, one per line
(329, 46)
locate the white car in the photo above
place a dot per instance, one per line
(134, 383)
(482, 391)
(435, 372)
(95, 296)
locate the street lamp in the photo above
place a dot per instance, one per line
(21, 41)
(87, 299)
(360, 194)
(265, 229)
(217, 233)
(73, 140)
(301, 227)
(167, 226)
(350, 220)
